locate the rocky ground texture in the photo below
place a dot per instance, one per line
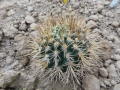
(17, 19)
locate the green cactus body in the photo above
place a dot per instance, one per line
(65, 48)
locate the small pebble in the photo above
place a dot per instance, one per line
(115, 57)
(107, 82)
(107, 63)
(100, 7)
(103, 72)
(118, 32)
(117, 64)
(102, 85)
(29, 19)
(9, 60)
(115, 24)
(30, 8)
(11, 12)
(113, 82)
(116, 87)
(91, 24)
(93, 17)
(23, 27)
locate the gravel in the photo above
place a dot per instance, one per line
(112, 72)
(17, 23)
(103, 72)
(117, 87)
(23, 26)
(117, 64)
(90, 82)
(91, 24)
(10, 31)
(11, 12)
(115, 24)
(30, 8)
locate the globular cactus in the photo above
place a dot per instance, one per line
(114, 3)
(64, 49)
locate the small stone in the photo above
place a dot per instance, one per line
(107, 83)
(24, 61)
(105, 33)
(9, 60)
(81, 10)
(76, 5)
(30, 8)
(93, 17)
(118, 31)
(90, 82)
(23, 27)
(20, 66)
(110, 38)
(34, 14)
(116, 87)
(73, 2)
(29, 19)
(21, 44)
(117, 51)
(103, 72)
(118, 12)
(33, 26)
(103, 12)
(16, 22)
(113, 82)
(109, 14)
(116, 40)
(11, 12)
(100, 2)
(10, 31)
(91, 24)
(31, 83)
(106, 3)
(107, 63)
(100, 7)
(3, 14)
(34, 33)
(117, 64)
(100, 16)
(41, 18)
(8, 77)
(115, 24)
(102, 84)
(96, 30)
(7, 5)
(112, 71)
(2, 55)
(116, 57)
(38, 1)
(19, 37)
(95, 11)
(1, 35)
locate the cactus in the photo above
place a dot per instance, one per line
(64, 49)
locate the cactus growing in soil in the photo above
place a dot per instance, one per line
(64, 49)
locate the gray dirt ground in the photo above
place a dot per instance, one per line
(16, 17)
